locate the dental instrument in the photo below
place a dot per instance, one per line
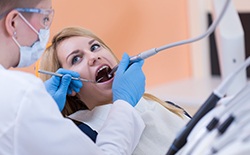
(238, 116)
(209, 104)
(61, 75)
(153, 51)
(209, 138)
(226, 109)
(230, 136)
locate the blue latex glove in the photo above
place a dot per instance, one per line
(59, 87)
(129, 81)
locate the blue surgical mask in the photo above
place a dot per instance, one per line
(29, 55)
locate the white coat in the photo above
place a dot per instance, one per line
(161, 125)
(31, 123)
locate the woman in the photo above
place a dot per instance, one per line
(80, 50)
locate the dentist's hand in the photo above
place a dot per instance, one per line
(59, 87)
(129, 81)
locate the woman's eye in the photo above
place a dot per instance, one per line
(75, 59)
(94, 47)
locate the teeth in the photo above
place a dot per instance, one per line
(103, 67)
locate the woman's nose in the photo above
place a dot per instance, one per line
(93, 59)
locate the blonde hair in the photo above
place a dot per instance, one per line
(51, 63)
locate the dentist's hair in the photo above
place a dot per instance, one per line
(8, 5)
(51, 63)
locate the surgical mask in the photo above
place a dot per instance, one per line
(29, 55)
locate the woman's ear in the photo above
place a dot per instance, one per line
(11, 22)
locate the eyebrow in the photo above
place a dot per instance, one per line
(74, 52)
(91, 41)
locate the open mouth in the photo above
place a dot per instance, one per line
(102, 74)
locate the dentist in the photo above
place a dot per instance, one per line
(30, 120)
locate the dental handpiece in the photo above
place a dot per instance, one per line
(61, 75)
(136, 58)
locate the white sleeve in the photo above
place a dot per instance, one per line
(40, 129)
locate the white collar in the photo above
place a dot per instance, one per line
(94, 118)
(1, 67)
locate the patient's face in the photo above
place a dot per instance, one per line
(92, 61)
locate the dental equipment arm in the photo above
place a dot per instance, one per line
(230, 43)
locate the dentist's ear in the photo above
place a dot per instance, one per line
(11, 22)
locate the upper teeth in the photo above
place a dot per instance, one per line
(103, 67)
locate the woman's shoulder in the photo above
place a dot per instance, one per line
(150, 104)
(162, 125)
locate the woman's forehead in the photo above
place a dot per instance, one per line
(74, 41)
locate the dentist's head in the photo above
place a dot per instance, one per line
(24, 31)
